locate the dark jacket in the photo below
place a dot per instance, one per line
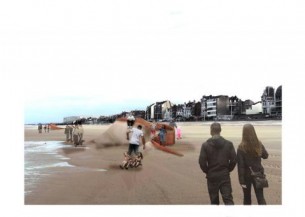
(217, 158)
(244, 161)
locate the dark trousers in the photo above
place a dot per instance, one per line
(130, 123)
(259, 192)
(224, 187)
(75, 139)
(133, 148)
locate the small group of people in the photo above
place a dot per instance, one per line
(74, 133)
(46, 128)
(218, 158)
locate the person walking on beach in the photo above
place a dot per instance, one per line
(162, 135)
(39, 128)
(67, 129)
(76, 135)
(48, 127)
(135, 136)
(130, 120)
(71, 133)
(153, 129)
(179, 135)
(45, 128)
(81, 133)
(217, 159)
(249, 154)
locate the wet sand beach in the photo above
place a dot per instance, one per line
(94, 177)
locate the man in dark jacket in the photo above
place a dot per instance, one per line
(217, 159)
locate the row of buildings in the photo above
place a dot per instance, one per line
(220, 107)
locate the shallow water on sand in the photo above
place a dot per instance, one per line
(41, 159)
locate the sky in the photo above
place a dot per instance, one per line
(101, 58)
(62, 57)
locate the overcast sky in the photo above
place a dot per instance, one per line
(101, 58)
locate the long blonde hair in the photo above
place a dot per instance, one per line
(250, 143)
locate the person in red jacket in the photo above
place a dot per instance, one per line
(217, 159)
(249, 154)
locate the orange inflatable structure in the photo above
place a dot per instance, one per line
(55, 127)
(170, 135)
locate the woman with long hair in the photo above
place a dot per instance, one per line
(249, 155)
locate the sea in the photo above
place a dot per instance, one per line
(41, 159)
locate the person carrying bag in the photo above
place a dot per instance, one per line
(259, 179)
(250, 153)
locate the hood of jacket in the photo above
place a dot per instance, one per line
(217, 141)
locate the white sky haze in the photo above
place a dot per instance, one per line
(103, 57)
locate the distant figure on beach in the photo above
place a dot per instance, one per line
(153, 128)
(67, 130)
(71, 133)
(172, 123)
(76, 135)
(130, 120)
(162, 135)
(39, 128)
(48, 127)
(45, 128)
(135, 136)
(249, 154)
(81, 133)
(178, 132)
(217, 159)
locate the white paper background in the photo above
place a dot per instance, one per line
(117, 52)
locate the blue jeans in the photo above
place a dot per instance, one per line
(133, 148)
(162, 138)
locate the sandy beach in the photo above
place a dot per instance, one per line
(95, 177)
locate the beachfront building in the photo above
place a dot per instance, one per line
(254, 109)
(187, 109)
(215, 107)
(90, 120)
(173, 111)
(278, 102)
(71, 119)
(138, 113)
(236, 106)
(197, 110)
(176, 112)
(192, 110)
(203, 101)
(149, 114)
(159, 110)
(268, 100)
